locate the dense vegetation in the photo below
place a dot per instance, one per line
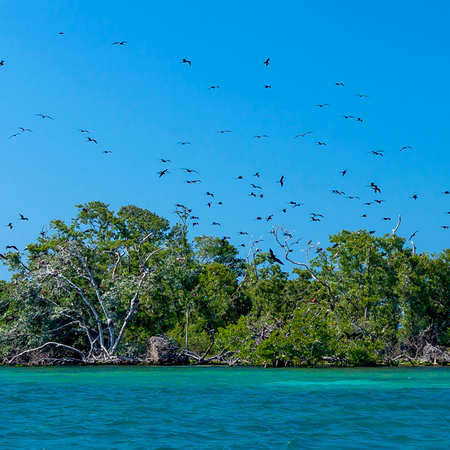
(97, 288)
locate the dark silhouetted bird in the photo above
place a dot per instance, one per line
(273, 258)
(119, 43)
(214, 87)
(189, 170)
(88, 139)
(163, 172)
(303, 134)
(22, 217)
(44, 117)
(185, 61)
(266, 62)
(281, 181)
(413, 235)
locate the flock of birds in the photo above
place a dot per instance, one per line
(255, 188)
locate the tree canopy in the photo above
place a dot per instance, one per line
(97, 288)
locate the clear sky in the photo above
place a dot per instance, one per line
(139, 102)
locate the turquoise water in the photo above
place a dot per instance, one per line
(219, 408)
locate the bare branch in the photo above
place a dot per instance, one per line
(57, 344)
(398, 224)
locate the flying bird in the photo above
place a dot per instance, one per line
(44, 117)
(10, 225)
(413, 235)
(266, 62)
(266, 86)
(184, 143)
(361, 95)
(216, 223)
(377, 153)
(25, 129)
(2, 62)
(22, 217)
(404, 148)
(321, 143)
(84, 131)
(106, 151)
(165, 160)
(223, 131)
(214, 87)
(374, 187)
(273, 258)
(163, 172)
(183, 61)
(189, 170)
(323, 104)
(304, 134)
(119, 43)
(88, 139)
(12, 246)
(339, 84)
(254, 186)
(259, 136)
(343, 172)
(281, 181)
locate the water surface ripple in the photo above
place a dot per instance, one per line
(111, 408)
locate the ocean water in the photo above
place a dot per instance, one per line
(142, 407)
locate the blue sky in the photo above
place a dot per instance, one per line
(139, 102)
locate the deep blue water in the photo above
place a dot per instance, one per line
(220, 407)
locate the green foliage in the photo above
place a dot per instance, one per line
(105, 282)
